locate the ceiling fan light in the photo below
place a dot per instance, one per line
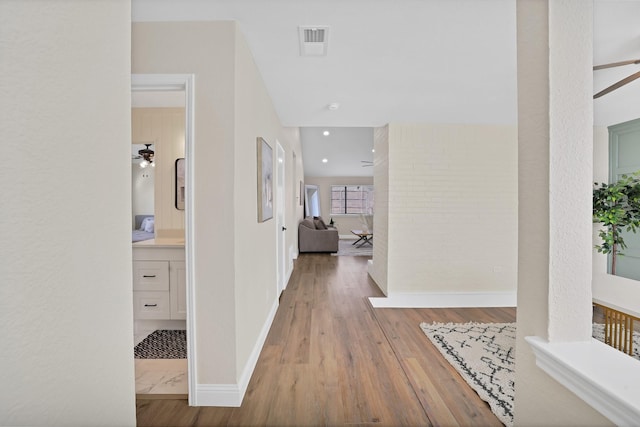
(144, 164)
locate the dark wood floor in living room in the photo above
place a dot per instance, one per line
(331, 359)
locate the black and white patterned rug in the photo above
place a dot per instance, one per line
(484, 355)
(163, 344)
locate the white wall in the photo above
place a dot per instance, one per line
(255, 243)
(206, 50)
(65, 293)
(234, 255)
(379, 266)
(452, 208)
(294, 175)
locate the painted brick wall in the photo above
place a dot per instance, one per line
(452, 216)
(378, 268)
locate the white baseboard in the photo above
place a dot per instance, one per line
(445, 300)
(228, 395)
(289, 272)
(231, 395)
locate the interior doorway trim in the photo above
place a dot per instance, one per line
(281, 237)
(182, 82)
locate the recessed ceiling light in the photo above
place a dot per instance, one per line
(324, 160)
(333, 106)
(373, 150)
(326, 133)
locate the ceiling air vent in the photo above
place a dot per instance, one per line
(313, 40)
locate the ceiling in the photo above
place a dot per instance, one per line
(346, 149)
(428, 61)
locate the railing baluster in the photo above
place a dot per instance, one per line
(618, 329)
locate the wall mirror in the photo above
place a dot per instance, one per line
(179, 170)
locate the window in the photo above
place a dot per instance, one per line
(351, 199)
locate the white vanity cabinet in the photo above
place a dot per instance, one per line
(178, 289)
(159, 281)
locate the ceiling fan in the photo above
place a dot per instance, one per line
(366, 163)
(147, 155)
(622, 82)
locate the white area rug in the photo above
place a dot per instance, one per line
(347, 248)
(484, 355)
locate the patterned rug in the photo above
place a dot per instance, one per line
(347, 248)
(484, 355)
(163, 344)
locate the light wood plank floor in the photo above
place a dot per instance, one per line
(331, 359)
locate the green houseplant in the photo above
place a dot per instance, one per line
(617, 207)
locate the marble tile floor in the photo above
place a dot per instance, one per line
(161, 377)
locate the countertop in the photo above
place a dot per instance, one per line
(161, 242)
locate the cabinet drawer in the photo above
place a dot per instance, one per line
(151, 305)
(151, 275)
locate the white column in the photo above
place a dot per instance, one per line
(570, 169)
(555, 161)
(555, 155)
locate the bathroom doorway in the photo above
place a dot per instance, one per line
(162, 282)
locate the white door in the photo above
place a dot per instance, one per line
(280, 201)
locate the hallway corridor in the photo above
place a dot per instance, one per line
(331, 359)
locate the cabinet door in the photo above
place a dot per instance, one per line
(178, 289)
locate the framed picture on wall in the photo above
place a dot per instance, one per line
(265, 180)
(180, 188)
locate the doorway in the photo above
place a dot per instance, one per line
(281, 226)
(180, 299)
(311, 200)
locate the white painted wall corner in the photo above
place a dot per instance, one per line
(231, 395)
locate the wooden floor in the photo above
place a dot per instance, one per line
(331, 359)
